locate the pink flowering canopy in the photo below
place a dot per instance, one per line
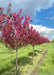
(14, 31)
(32, 37)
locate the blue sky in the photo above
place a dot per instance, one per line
(41, 11)
(45, 17)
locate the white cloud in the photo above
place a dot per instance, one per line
(53, 37)
(52, 17)
(43, 30)
(28, 6)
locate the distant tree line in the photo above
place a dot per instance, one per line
(52, 41)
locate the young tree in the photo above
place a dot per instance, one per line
(32, 37)
(14, 32)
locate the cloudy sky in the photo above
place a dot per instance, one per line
(41, 11)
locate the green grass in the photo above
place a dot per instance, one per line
(8, 57)
(48, 64)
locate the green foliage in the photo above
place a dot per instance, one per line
(52, 41)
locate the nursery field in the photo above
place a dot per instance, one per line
(25, 54)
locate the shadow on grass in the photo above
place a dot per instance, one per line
(53, 61)
(22, 61)
(37, 51)
(31, 54)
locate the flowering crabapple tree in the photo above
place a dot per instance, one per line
(43, 40)
(14, 32)
(32, 37)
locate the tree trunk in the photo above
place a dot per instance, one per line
(33, 53)
(6, 45)
(39, 47)
(16, 61)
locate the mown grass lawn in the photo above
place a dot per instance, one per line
(47, 66)
(8, 57)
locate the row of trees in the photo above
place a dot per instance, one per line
(16, 32)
